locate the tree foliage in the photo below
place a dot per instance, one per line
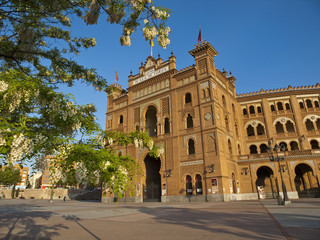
(35, 35)
(9, 175)
(37, 51)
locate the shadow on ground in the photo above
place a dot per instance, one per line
(18, 222)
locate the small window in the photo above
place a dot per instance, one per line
(283, 146)
(229, 146)
(253, 149)
(301, 104)
(226, 121)
(309, 103)
(314, 144)
(198, 184)
(287, 106)
(189, 121)
(272, 108)
(289, 126)
(263, 148)
(245, 111)
(294, 146)
(188, 185)
(260, 129)
(309, 125)
(166, 125)
(280, 106)
(251, 110)
(121, 119)
(188, 98)
(259, 109)
(318, 123)
(316, 104)
(191, 147)
(233, 109)
(250, 131)
(223, 101)
(279, 128)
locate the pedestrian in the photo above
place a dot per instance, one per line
(64, 198)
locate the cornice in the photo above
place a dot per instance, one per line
(281, 90)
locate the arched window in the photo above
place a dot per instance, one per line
(121, 119)
(188, 98)
(166, 125)
(259, 109)
(233, 109)
(234, 187)
(151, 121)
(236, 128)
(239, 149)
(316, 104)
(223, 101)
(301, 104)
(287, 106)
(188, 185)
(263, 148)
(309, 103)
(294, 146)
(283, 146)
(251, 110)
(191, 148)
(137, 128)
(260, 129)
(279, 128)
(198, 184)
(229, 146)
(250, 131)
(204, 93)
(314, 144)
(318, 123)
(309, 125)
(189, 121)
(289, 126)
(226, 120)
(244, 111)
(253, 149)
(280, 106)
(272, 108)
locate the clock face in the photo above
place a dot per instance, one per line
(207, 116)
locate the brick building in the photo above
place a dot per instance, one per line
(216, 141)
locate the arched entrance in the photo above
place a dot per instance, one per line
(266, 183)
(307, 184)
(152, 187)
(151, 121)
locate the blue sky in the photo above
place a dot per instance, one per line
(265, 43)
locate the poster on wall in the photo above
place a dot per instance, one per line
(214, 185)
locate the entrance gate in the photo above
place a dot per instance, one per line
(266, 182)
(152, 187)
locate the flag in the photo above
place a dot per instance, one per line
(151, 43)
(117, 78)
(199, 37)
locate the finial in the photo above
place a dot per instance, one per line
(141, 63)
(130, 72)
(171, 53)
(158, 55)
(230, 73)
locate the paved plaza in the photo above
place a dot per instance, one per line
(39, 219)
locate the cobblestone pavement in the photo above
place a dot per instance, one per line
(39, 219)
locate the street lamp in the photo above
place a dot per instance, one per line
(275, 149)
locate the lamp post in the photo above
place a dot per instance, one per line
(275, 149)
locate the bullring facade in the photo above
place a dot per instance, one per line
(216, 143)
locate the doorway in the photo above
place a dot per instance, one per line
(152, 187)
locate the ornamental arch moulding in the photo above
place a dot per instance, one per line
(312, 118)
(254, 123)
(283, 120)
